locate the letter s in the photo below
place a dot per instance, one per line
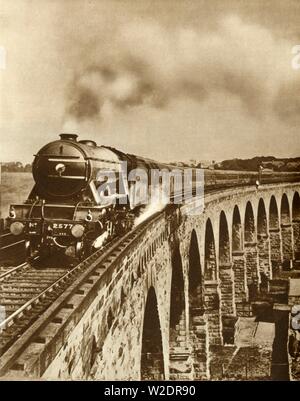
(296, 58)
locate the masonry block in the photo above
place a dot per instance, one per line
(240, 276)
(212, 312)
(252, 268)
(296, 234)
(276, 250)
(287, 247)
(199, 342)
(227, 288)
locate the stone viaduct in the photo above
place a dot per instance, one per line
(171, 306)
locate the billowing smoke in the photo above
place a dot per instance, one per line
(148, 64)
(157, 202)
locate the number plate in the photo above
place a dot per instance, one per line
(61, 229)
(34, 228)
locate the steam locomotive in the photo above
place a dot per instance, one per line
(73, 206)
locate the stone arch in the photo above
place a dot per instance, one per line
(226, 280)
(262, 225)
(273, 214)
(177, 335)
(263, 245)
(296, 206)
(251, 255)
(211, 295)
(296, 227)
(237, 231)
(196, 309)
(210, 268)
(286, 233)
(249, 224)
(224, 244)
(195, 276)
(238, 259)
(152, 365)
(275, 237)
(285, 210)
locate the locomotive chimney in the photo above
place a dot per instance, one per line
(68, 137)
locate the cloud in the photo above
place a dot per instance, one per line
(148, 64)
(287, 102)
(168, 80)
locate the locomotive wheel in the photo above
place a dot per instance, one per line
(82, 250)
(79, 250)
(28, 249)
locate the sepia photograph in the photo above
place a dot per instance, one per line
(150, 193)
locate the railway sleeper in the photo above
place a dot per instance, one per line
(61, 316)
(27, 359)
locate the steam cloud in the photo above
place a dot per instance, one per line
(158, 201)
(152, 65)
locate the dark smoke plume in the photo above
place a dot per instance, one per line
(151, 65)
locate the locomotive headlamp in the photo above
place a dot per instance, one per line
(77, 230)
(17, 228)
(60, 168)
(12, 213)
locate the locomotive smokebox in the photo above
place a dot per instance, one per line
(68, 137)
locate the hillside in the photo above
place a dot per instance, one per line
(268, 162)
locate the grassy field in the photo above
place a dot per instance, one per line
(14, 188)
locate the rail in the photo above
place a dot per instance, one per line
(13, 270)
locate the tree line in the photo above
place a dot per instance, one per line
(16, 167)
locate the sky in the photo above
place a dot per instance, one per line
(169, 79)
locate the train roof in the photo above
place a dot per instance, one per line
(138, 160)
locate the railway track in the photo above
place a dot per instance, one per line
(7, 239)
(21, 288)
(27, 291)
(11, 248)
(6, 271)
(25, 322)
